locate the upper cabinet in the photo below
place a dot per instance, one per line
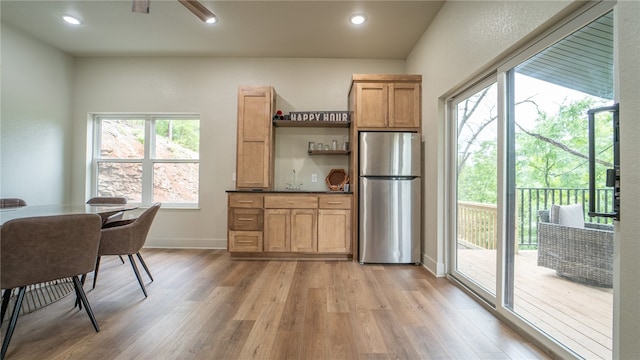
(386, 101)
(255, 152)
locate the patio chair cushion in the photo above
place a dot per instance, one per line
(567, 215)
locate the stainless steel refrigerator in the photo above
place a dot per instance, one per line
(389, 182)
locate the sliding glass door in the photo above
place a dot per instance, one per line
(562, 259)
(474, 262)
(522, 238)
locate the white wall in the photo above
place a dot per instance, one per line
(209, 86)
(35, 133)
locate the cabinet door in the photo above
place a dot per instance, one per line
(304, 228)
(404, 105)
(334, 231)
(254, 152)
(277, 230)
(371, 105)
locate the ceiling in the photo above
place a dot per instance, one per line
(582, 61)
(291, 29)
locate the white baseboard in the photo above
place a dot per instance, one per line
(437, 269)
(186, 243)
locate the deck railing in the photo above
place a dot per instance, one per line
(477, 223)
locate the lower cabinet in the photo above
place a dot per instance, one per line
(334, 231)
(291, 230)
(290, 224)
(245, 241)
(334, 224)
(245, 223)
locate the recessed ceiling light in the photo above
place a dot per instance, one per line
(357, 19)
(71, 20)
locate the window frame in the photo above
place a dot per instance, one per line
(149, 160)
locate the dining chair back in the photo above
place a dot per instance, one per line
(127, 237)
(39, 249)
(98, 200)
(12, 202)
(109, 200)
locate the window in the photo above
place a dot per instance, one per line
(147, 158)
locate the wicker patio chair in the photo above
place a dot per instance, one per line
(580, 254)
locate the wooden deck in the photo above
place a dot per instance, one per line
(577, 315)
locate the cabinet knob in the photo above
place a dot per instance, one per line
(334, 202)
(246, 201)
(245, 219)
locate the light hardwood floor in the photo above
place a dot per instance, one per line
(204, 305)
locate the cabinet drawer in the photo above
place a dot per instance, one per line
(245, 201)
(245, 219)
(335, 201)
(291, 202)
(245, 241)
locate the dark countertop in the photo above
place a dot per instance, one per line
(290, 192)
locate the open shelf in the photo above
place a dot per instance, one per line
(329, 152)
(329, 124)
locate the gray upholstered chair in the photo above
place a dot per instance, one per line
(109, 200)
(12, 202)
(127, 237)
(40, 249)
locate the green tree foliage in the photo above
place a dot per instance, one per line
(554, 152)
(550, 152)
(183, 132)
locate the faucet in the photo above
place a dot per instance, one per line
(295, 185)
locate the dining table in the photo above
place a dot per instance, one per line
(40, 295)
(104, 210)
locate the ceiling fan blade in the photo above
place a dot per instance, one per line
(140, 6)
(199, 10)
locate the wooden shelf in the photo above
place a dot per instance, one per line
(329, 152)
(329, 124)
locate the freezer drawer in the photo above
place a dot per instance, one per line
(389, 220)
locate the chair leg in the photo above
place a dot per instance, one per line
(95, 272)
(6, 296)
(78, 303)
(144, 265)
(13, 321)
(87, 307)
(135, 270)
(121, 259)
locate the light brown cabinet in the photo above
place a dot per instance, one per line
(334, 224)
(255, 143)
(291, 223)
(295, 225)
(386, 101)
(245, 223)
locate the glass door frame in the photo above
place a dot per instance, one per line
(452, 257)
